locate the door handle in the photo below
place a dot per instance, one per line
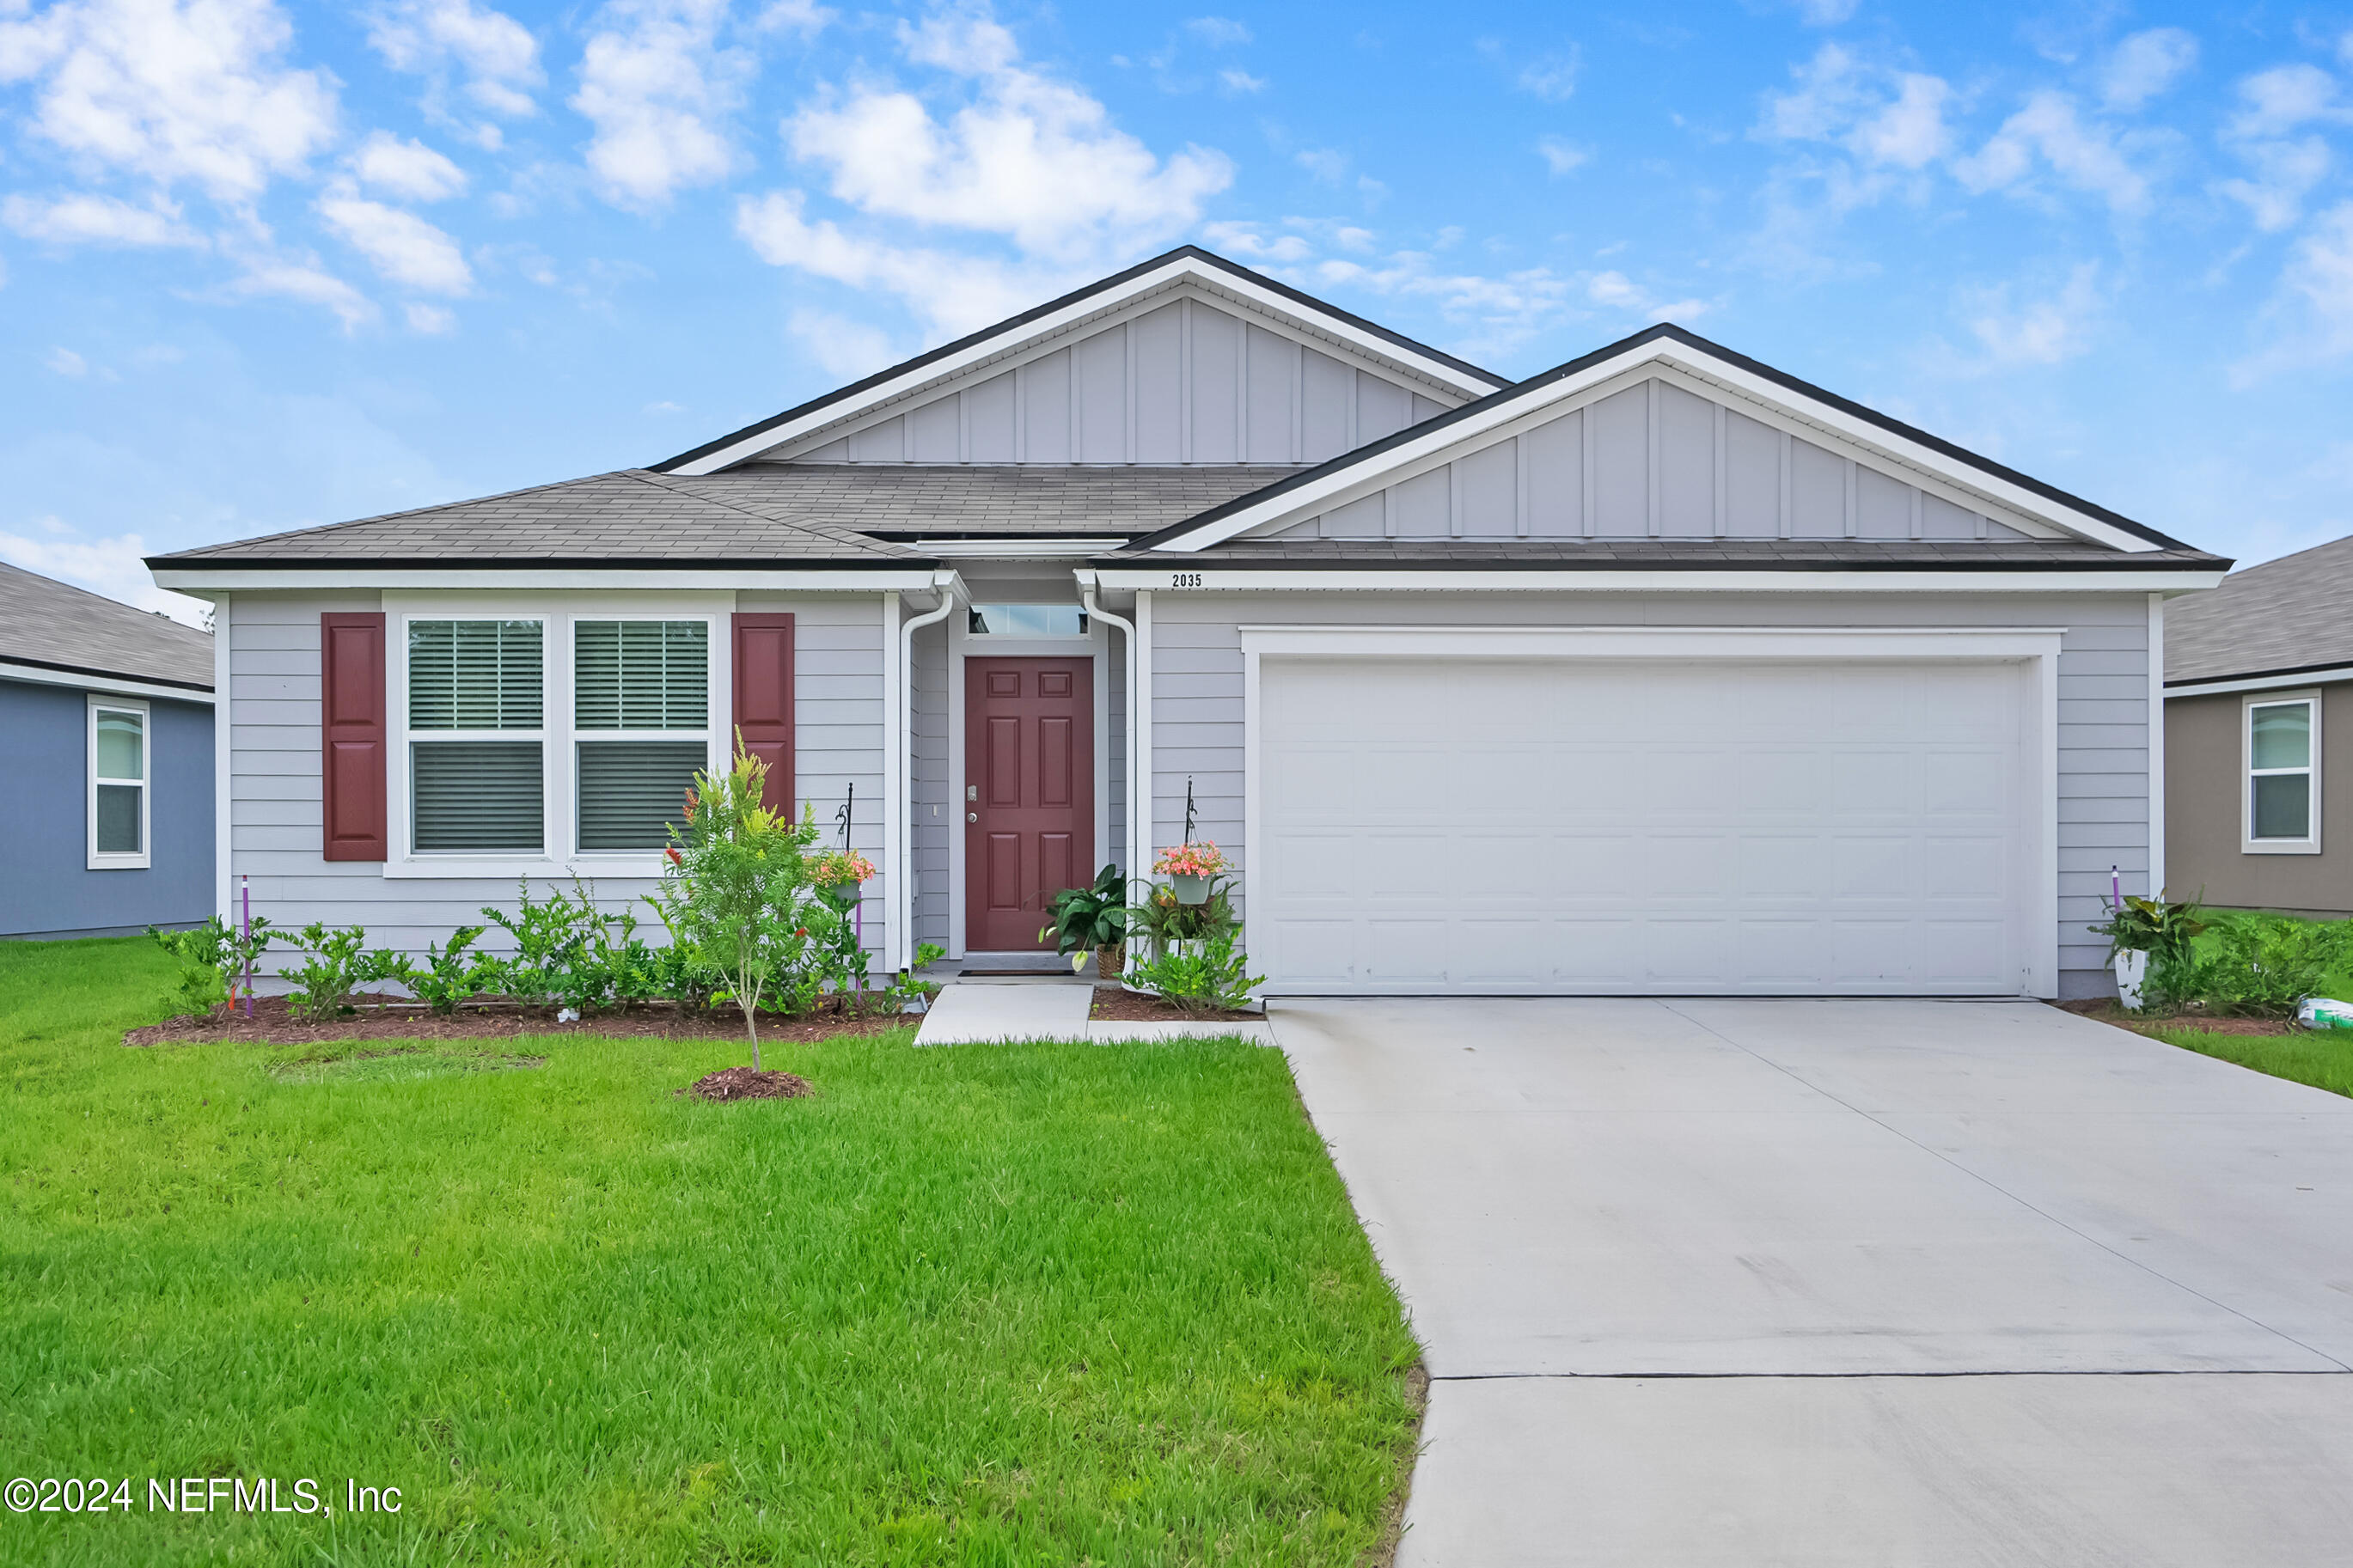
(972, 816)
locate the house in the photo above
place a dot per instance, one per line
(1662, 671)
(2259, 737)
(106, 760)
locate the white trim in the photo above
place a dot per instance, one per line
(557, 579)
(1146, 783)
(1546, 581)
(557, 736)
(1102, 308)
(1310, 498)
(2034, 647)
(901, 742)
(2309, 699)
(894, 780)
(119, 861)
(2155, 721)
(224, 773)
(1020, 548)
(111, 685)
(2224, 686)
(1129, 827)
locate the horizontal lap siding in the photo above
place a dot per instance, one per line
(274, 781)
(1196, 703)
(930, 773)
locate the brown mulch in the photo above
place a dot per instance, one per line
(2107, 1010)
(1119, 1005)
(273, 1023)
(744, 1083)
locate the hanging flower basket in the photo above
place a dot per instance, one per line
(1192, 870)
(838, 873)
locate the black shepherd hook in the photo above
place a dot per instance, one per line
(842, 817)
(1188, 809)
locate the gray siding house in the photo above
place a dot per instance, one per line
(1660, 672)
(2259, 737)
(106, 756)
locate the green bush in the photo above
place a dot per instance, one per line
(455, 973)
(336, 966)
(2253, 965)
(212, 960)
(1213, 977)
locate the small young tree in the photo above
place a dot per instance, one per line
(732, 882)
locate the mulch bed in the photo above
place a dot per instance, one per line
(389, 1019)
(743, 1083)
(1116, 1004)
(2106, 1010)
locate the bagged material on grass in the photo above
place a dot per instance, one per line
(2324, 1012)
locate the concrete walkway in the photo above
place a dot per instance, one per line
(1010, 1011)
(1841, 1282)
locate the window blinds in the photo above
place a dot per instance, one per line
(477, 795)
(641, 674)
(631, 791)
(474, 675)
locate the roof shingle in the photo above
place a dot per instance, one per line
(46, 622)
(2295, 613)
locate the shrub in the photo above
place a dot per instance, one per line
(1214, 976)
(734, 888)
(2255, 967)
(550, 936)
(213, 959)
(1163, 920)
(1079, 919)
(454, 974)
(336, 967)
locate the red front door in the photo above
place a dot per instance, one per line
(1029, 795)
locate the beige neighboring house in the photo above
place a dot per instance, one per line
(2259, 737)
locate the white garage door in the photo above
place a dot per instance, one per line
(1662, 827)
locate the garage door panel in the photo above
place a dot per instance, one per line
(1492, 826)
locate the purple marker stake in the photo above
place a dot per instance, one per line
(2116, 890)
(245, 891)
(857, 932)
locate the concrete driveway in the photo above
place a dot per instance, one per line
(1832, 1282)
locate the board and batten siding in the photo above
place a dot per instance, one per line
(1196, 675)
(1183, 383)
(274, 772)
(1654, 460)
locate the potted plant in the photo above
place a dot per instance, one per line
(1191, 869)
(838, 873)
(1093, 918)
(1162, 924)
(2140, 931)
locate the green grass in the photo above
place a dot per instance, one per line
(2322, 1058)
(975, 1305)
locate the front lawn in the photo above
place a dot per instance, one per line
(974, 1305)
(2321, 1058)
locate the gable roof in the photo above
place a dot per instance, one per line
(1301, 494)
(53, 625)
(2284, 617)
(1186, 263)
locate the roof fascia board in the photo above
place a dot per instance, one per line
(111, 685)
(1021, 341)
(1422, 451)
(2283, 681)
(1644, 581)
(234, 580)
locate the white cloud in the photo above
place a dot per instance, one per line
(274, 278)
(1885, 117)
(171, 90)
(114, 568)
(1245, 242)
(2144, 65)
(1328, 164)
(1027, 157)
(497, 54)
(1825, 13)
(64, 361)
(659, 91)
(401, 246)
(2276, 102)
(842, 347)
(1241, 81)
(409, 169)
(1910, 132)
(805, 17)
(1616, 291)
(2285, 173)
(431, 321)
(2321, 274)
(1553, 77)
(1218, 32)
(953, 293)
(1562, 157)
(85, 219)
(2039, 331)
(2086, 157)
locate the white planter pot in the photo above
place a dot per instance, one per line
(2132, 969)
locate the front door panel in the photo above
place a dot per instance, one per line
(1030, 807)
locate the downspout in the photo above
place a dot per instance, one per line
(1139, 790)
(901, 957)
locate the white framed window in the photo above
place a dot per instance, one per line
(2280, 752)
(547, 734)
(117, 805)
(1026, 621)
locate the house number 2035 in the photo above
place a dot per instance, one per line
(1185, 579)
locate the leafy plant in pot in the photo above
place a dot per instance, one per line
(2143, 932)
(1161, 925)
(1080, 919)
(1192, 870)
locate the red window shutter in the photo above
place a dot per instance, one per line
(352, 735)
(764, 699)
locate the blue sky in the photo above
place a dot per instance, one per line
(263, 266)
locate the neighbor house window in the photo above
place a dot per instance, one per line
(641, 718)
(118, 786)
(2283, 753)
(477, 720)
(1027, 621)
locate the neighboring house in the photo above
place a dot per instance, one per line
(1661, 671)
(106, 764)
(2259, 737)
